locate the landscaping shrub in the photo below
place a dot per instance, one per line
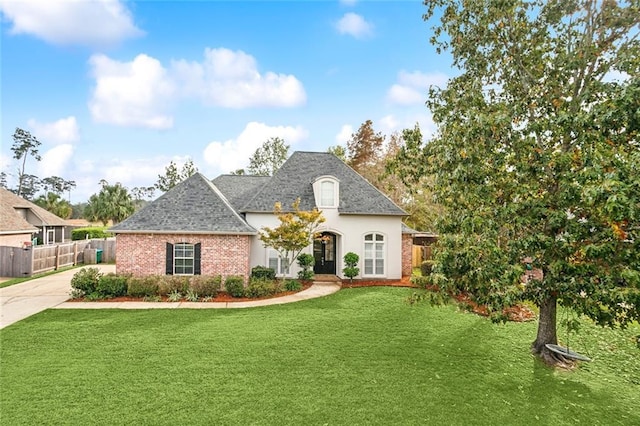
(262, 287)
(422, 282)
(263, 272)
(234, 285)
(426, 267)
(90, 232)
(351, 270)
(143, 286)
(292, 285)
(86, 280)
(306, 262)
(170, 283)
(206, 285)
(112, 285)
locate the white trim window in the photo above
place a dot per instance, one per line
(374, 254)
(278, 264)
(327, 193)
(183, 259)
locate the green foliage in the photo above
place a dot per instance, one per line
(170, 283)
(306, 262)
(86, 280)
(25, 145)
(55, 204)
(112, 203)
(234, 285)
(206, 285)
(143, 286)
(351, 261)
(297, 228)
(339, 151)
(174, 296)
(292, 285)
(262, 287)
(112, 285)
(263, 272)
(536, 157)
(191, 296)
(426, 267)
(172, 176)
(268, 158)
(90, 232)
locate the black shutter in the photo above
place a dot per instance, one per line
(169, 262)
(196, 259)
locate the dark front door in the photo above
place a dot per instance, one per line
(324, 251)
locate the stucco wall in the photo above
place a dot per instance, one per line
(350, 231)
(144, 254)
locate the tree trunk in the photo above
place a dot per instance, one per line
(546, 331)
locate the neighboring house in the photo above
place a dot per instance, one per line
(21, 219)
(212, 227)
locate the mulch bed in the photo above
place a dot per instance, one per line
(518, 313)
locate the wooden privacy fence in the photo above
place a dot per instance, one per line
(24, 262)
(420, 254)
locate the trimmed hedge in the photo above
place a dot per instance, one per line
(112, 285)
(90, 232)
(206, 285)
(263, 272)
(234, 285)
(143, 286)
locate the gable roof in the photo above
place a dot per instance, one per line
(194, 206)
(295, 180)
(239, 189)
(11, 220)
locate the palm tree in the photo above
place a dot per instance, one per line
(113, 202)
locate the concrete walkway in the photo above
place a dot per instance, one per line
(22, 300)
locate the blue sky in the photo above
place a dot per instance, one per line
(116, 90)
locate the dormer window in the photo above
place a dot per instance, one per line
(326, 192)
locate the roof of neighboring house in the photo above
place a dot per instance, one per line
(239, 189)
(406, 229)
(11, 220)
(193, 206)
(295, 180)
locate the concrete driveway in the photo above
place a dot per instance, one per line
(22, 300)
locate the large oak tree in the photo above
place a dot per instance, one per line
(537, 158)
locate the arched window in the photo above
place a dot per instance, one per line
(327, 193)
(374, 254)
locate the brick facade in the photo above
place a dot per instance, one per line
(407, 254)
(145, 254)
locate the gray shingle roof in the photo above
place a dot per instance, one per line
(297, 175)
(10, 220)
(239, 189)
(193, 206)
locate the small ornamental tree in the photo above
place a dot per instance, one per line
(306, 262)
(295, 232)
(351, 269)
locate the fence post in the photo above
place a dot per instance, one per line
(57, 264)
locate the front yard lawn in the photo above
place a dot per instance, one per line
(360, 356)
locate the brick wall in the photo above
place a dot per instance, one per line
(145, 254)
(407, 245)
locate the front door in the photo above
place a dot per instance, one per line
(324, 252)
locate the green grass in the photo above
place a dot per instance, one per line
(361, 356)
(13, 281)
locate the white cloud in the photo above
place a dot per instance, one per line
(391, 123)
(89, 23)
(139, 92)
(55, 161)
(231, 79)
(412, 87)
(354, 25)
(345, 134)
(64, 130)
(234, 154)
(131, 93)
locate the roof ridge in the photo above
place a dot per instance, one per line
(226, 202)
